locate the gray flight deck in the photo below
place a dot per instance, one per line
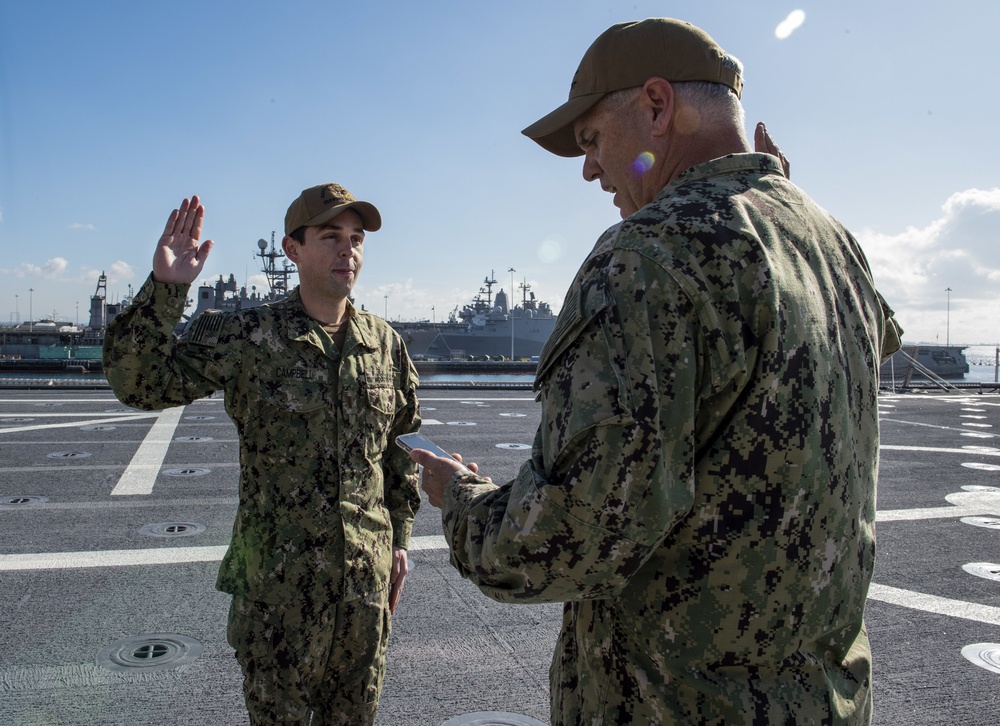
(113, 521)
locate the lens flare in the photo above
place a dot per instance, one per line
(550, 250)
(643, 163)
(790, 24)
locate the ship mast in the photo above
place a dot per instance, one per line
(490, 282)
(277, 277)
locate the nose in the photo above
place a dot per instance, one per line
(591, 169)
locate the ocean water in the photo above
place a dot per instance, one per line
(982, 363)
(92, 378)
(981, 359)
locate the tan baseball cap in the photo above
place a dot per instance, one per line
(318, 205)
(626, 56)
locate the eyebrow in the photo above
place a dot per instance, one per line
(580, 133)
(342, 227)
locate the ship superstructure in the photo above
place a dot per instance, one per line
(225, 294)
(488, 327)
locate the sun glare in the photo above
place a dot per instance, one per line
(790, 24)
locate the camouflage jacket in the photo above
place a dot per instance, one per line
(701, 490)
(324, 492)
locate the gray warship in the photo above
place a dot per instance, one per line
(52, 346)
(225, 294)
(925, 361)
(487, 328)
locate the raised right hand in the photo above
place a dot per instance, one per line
(764, 144)
(179, 257)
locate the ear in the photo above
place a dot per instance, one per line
(658, 97)
(291, 248)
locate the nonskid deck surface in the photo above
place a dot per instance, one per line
(113, 522)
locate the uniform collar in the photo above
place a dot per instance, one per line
(752, 162)
(299, 326)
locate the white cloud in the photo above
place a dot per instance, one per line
(121, 272)
(50, 269)
(914, 269)
(55, 267)
(81, 225)
(117, 273)
(395, 298)
(408, 303)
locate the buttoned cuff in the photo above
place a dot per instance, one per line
(401, 534)
(168, 296)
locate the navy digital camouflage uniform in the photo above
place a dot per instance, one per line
(701, 490)
(324, 495)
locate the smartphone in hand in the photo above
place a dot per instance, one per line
(409, 442)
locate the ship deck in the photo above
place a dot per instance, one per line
(113, 521)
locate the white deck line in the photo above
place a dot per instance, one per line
(139, 476)
(938, 450)
(175, 555)
(157, 556)
(934, 604)
(111, 558)
(110, 418)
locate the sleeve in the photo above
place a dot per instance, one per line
(402, 485)
(150, 368)
(611, 470)
(892, 334)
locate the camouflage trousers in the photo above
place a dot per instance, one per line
(317, 668)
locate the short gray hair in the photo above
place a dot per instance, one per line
(712, 100)
(617, 99)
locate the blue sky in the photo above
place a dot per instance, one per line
(112, 112)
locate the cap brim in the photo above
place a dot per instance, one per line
(554, 132)
(371, 220)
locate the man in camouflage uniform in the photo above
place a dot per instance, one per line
(318, 390)
(701, 490)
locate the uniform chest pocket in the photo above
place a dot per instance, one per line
(379, 408)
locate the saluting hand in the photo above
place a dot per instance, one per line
(764, 144)
(179, 258)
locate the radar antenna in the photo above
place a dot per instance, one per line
(489, 282)
(277, 277)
